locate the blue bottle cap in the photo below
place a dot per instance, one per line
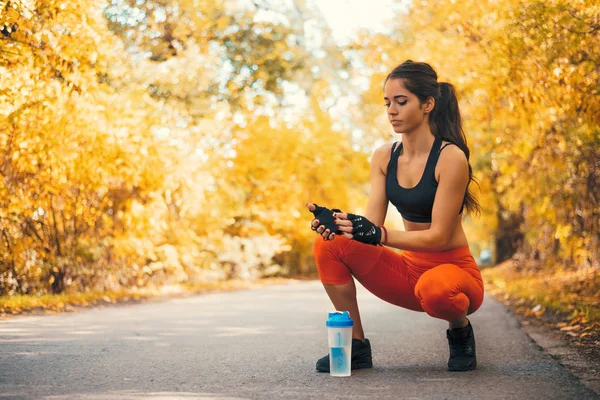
(339, 319)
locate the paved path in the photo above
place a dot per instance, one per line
(262, 344)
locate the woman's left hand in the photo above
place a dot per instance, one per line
(358, 228)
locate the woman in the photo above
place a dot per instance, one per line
(426, 177)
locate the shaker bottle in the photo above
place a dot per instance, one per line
(339, 329)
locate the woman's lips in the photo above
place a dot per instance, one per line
(395, 123)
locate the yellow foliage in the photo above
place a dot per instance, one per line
(150, 142)
(527, 76)
(124, 160)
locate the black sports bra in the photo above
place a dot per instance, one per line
(414, 204)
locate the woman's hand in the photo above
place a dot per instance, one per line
(358, 228)
(323, 223)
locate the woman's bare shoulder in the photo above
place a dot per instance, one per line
(450, 151)
(384, 151)
(452, 161)
(381, 155)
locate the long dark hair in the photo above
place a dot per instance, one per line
(444, 120)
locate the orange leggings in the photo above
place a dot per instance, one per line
(442, 284)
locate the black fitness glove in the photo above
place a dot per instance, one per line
(364, 230)
(325, 217)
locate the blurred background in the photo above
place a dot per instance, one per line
(148, 143)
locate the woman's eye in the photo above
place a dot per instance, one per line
(400, 103)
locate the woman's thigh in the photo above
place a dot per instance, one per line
(389, 278)
(380, 270)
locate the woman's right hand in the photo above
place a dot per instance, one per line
(326, 215)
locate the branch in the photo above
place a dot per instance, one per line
(32, 228)
(56, 233)
(6, 240)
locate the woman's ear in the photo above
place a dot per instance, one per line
(429, 104)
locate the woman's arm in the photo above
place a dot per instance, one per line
(378, 203)
(453, 181)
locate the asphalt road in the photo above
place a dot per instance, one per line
(263, 344)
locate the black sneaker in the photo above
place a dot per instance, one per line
(361, 357)
(462, 349)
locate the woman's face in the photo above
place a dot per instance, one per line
(403, 108)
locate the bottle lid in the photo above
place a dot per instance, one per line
(339, 319)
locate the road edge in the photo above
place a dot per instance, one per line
(566, 354)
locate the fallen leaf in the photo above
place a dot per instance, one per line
(570, 328)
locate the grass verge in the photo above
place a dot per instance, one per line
(566, 301)
(48, 303)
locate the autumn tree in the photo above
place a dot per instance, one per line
(154, 142)
(527, 74)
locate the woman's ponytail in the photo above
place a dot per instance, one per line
(446, 124)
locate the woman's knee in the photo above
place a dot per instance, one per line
(330, 249)
(345, 257)
(328, 257)
(440, 295)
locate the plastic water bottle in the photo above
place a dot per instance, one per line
(339, 329)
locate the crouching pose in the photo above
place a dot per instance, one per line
(426, 177)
